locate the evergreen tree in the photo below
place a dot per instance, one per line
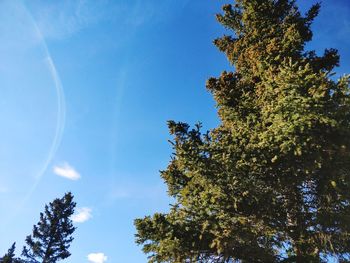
(52, 235)
(10, 256)
(271, 182)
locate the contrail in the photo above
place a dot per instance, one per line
(61, 110)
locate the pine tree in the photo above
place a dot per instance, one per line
(10, 256)
(52, 235)
(271, 182)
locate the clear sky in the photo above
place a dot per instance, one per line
(86, 90)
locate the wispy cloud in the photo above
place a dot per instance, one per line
(3, 189)
(66, 171)
(14, 15)
(60, 19)
(97, 257)
(82, 215)
(135, 190)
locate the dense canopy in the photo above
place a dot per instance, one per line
(271, 182)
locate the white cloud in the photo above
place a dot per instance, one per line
(66, 171)
(97, 257)
(82, 214)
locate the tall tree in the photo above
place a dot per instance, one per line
(271, 182)
(52, 235)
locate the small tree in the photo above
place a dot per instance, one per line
(10, 257)
(271, 183)
(52, 235)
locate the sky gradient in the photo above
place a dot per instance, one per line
(86, 90)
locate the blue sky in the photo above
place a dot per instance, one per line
(86, 90)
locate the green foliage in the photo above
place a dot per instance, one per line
(52, 235)
(271, 182)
